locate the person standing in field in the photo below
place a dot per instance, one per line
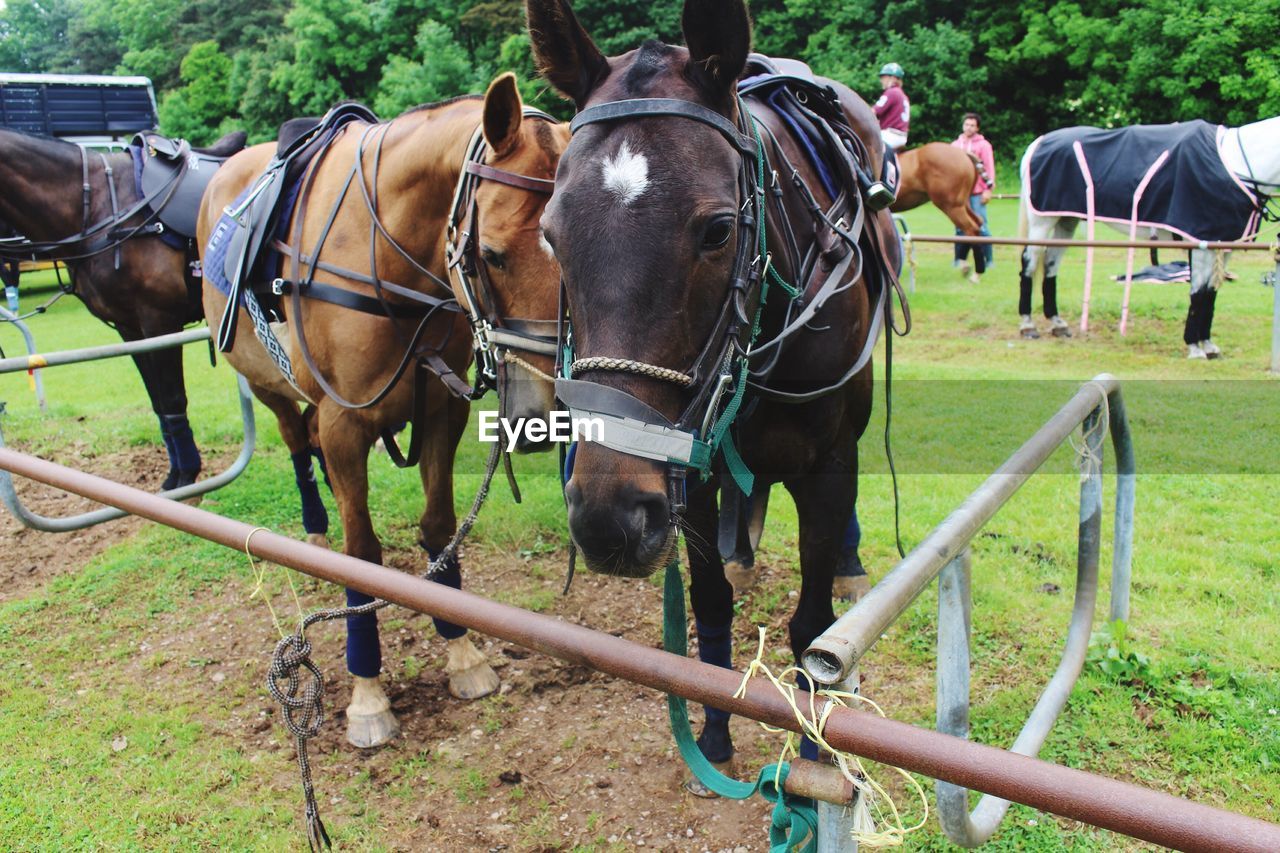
(976, 145)
(893, 110)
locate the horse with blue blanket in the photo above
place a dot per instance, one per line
(327, 258)
(727, 199)
(123, 223)
(1191, 182)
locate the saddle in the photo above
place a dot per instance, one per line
(256, 216)
(811, 110)
(166, 160)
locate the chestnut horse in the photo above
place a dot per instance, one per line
(83, 208)
(656, 215)
(416, 162)
(943, 174)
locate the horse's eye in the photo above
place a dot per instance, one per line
(718, 232)
(493, 258)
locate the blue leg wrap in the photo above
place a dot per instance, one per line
(364, 652)
(715, 646)
(849, 565)
(184, 455)
(314, 517)
(450, 575)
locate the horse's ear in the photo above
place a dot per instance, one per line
(563, 51)
(503, 111)
(718, 33)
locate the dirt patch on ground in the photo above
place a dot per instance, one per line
(30, 558)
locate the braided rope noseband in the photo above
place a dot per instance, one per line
(626, 365)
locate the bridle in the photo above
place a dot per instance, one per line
(721, 375)
(497, 338)
(634, 427)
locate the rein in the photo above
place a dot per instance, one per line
(22, 248)
(489, 330)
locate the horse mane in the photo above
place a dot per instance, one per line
(438, 104)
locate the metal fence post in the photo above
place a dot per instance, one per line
(835, 822)
(9, 317)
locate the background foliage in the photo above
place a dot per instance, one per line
(1026, 67)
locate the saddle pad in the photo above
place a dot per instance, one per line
(1192, 194)
(214, 265)
(769, 88)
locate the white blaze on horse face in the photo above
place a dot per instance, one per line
(626, 174)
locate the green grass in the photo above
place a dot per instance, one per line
(1187, 701)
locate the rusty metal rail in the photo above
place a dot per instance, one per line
(1107, 803)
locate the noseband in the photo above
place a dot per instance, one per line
(632, 426)
(496, 338)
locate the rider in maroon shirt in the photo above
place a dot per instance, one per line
(894, 108)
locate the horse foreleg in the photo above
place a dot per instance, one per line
(162, 376)
(711, 595)
(470, 676)
(297, 438)
(346, 437)
(824, 500)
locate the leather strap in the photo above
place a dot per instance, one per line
(511, 179)
(659, 107)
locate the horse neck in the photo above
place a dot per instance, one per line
(430, 153)
(1260, 142)
(40, 186)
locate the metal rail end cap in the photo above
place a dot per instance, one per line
(827, 660)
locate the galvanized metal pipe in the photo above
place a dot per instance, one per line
(954, 613)
(1126, 496)
(1148, 815)
(9, 495)
(839, 648)
(76, 356)
(9, 317)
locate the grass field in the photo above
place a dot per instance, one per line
(1186, 699)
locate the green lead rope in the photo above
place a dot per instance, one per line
(794, 822)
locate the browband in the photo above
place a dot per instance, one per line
(640, 107)
(501, 176)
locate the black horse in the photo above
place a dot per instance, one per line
(702, 383)
(86, 210)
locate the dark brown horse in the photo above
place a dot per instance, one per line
(411, 168)
(942, 174)
(655, 216)
(83, 208)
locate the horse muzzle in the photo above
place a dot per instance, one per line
(629, 536)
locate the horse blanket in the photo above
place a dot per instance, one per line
(1188, 189)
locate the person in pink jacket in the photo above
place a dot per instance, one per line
(973, 142)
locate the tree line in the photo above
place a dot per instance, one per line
(1026, 68)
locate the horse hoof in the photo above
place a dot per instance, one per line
(1211, 350)
(694, 786)
(851, 588)
(370, 722)
(367, 731)
(320, 540)
(741, 576)
(1195, 351)
(1030, 334)
(470, 677)
(1061, 332)
(973, 278)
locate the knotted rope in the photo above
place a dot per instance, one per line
(301, 695)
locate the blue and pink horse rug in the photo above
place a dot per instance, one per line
(1168, 176)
